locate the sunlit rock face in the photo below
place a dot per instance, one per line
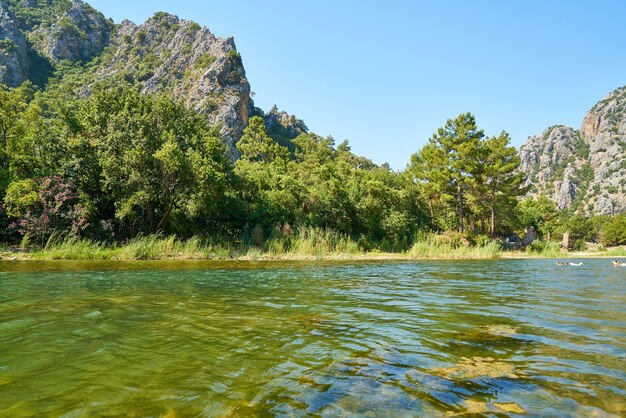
(582, 170)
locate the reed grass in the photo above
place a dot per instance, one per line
(437, 250)
(614, 252)
(544, 249)
(74, 249)
(305, 243)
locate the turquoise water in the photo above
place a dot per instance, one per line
(178, 339)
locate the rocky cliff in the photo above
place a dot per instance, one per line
(13, 50)
(583, 171)
(35, 34)
(170, 54)
(38, 38)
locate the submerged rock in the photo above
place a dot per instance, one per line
(511, 407)
(501, 330)
(479, 368)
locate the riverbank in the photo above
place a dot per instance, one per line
(171, 248)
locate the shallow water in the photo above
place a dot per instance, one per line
(177, 339)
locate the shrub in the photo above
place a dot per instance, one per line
(204, 61)
(47, 206)
(544, 248)
(613, 232)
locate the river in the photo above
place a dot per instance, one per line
(426, 338)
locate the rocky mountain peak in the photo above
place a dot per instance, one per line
(167, 53)
(278, 120)
(583, 171)
(78, 33)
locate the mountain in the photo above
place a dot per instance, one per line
(69, 43)
(583, 171)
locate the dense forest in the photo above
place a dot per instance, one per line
(118, 164)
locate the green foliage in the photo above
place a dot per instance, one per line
(204, 61)
(147, 171)
(544, 249)
(31, 13)
(539, 213)
(234, 57)
(40, 68)
(7, 45)
(613, 231)
(449, 245)
(159, 162)
(582, 148)
(474, 177)
(20, 196)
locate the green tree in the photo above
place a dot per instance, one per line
(539, 213)
(498, 184)
(157, 160)
(446, 165)
(256, 145)
(613, 232)
(12, 107)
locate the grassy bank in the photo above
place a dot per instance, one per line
(306, 245)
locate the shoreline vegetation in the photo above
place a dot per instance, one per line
(309, 245)
(125, 176)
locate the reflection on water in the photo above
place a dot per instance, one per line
(325, 339)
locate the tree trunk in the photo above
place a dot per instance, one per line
(5, 156)
(493, 212)
(459, 205)
(166, 217)
(432, 212)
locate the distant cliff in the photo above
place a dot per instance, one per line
(583, 171)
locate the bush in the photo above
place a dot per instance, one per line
(613, 232)
(204, 61)
(544, 248)
(46, 207)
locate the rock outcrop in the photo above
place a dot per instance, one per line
(13, 50)
(170, 54)
(165, 53)
(280, 121)
(78, 33)
(583, 171)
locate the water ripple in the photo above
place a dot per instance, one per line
(322, 339)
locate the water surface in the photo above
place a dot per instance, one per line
(178, 339)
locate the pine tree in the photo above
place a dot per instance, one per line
(498, 183)
(447, 164)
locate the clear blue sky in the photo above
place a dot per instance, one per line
(387, 74)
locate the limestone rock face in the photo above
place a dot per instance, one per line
(289, 125)
(13, 50)
(170, 54)
(585, 170)
(164, 54)
(77, 34)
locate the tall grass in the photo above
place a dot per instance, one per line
(544, 249)
(311, 242)
(320, 242)
(157, 247)
(615, 252)
(429, 248)
(304, 243)
(150, 247)
(75, 249)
